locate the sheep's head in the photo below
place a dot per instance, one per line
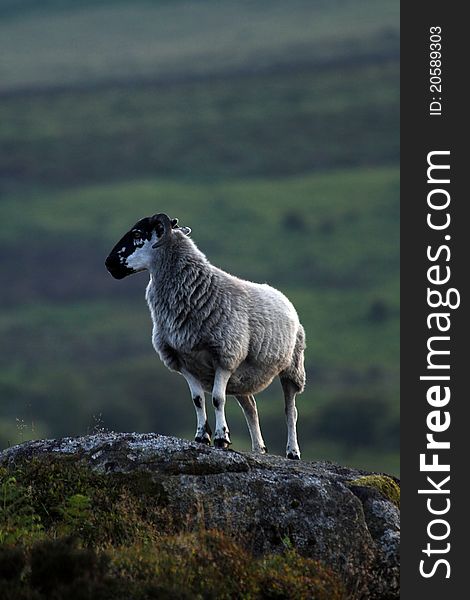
(135, 251)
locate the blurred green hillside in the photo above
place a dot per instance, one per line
(270, 128)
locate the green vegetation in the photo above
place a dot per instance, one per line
(274, 124)
(272, 133)
(207, 565)
(83, 42)
(109, 537)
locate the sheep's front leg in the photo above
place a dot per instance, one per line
(203, 431)
(222, 434)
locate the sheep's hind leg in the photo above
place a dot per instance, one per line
(203, 431)
(290, 391)
(222, 433)
(248, 404)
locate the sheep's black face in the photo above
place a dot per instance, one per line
(135, 251)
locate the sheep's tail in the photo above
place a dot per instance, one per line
(295, 373)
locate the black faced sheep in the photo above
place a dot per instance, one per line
(223, 334)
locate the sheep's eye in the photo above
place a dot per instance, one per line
(137, 235)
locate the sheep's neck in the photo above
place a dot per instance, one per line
(179, 280)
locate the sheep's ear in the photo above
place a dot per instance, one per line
(185, 230)
(163, 226)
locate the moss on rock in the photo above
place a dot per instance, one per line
(384, 484)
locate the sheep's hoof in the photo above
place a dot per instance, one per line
(293, 456)
(223, 444)
(203, 440)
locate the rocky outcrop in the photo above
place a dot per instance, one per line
(346, 518)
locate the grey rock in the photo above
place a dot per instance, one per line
(267, 502)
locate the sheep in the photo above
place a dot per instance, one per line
(224, 335)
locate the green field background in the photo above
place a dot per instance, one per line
(271, 129)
